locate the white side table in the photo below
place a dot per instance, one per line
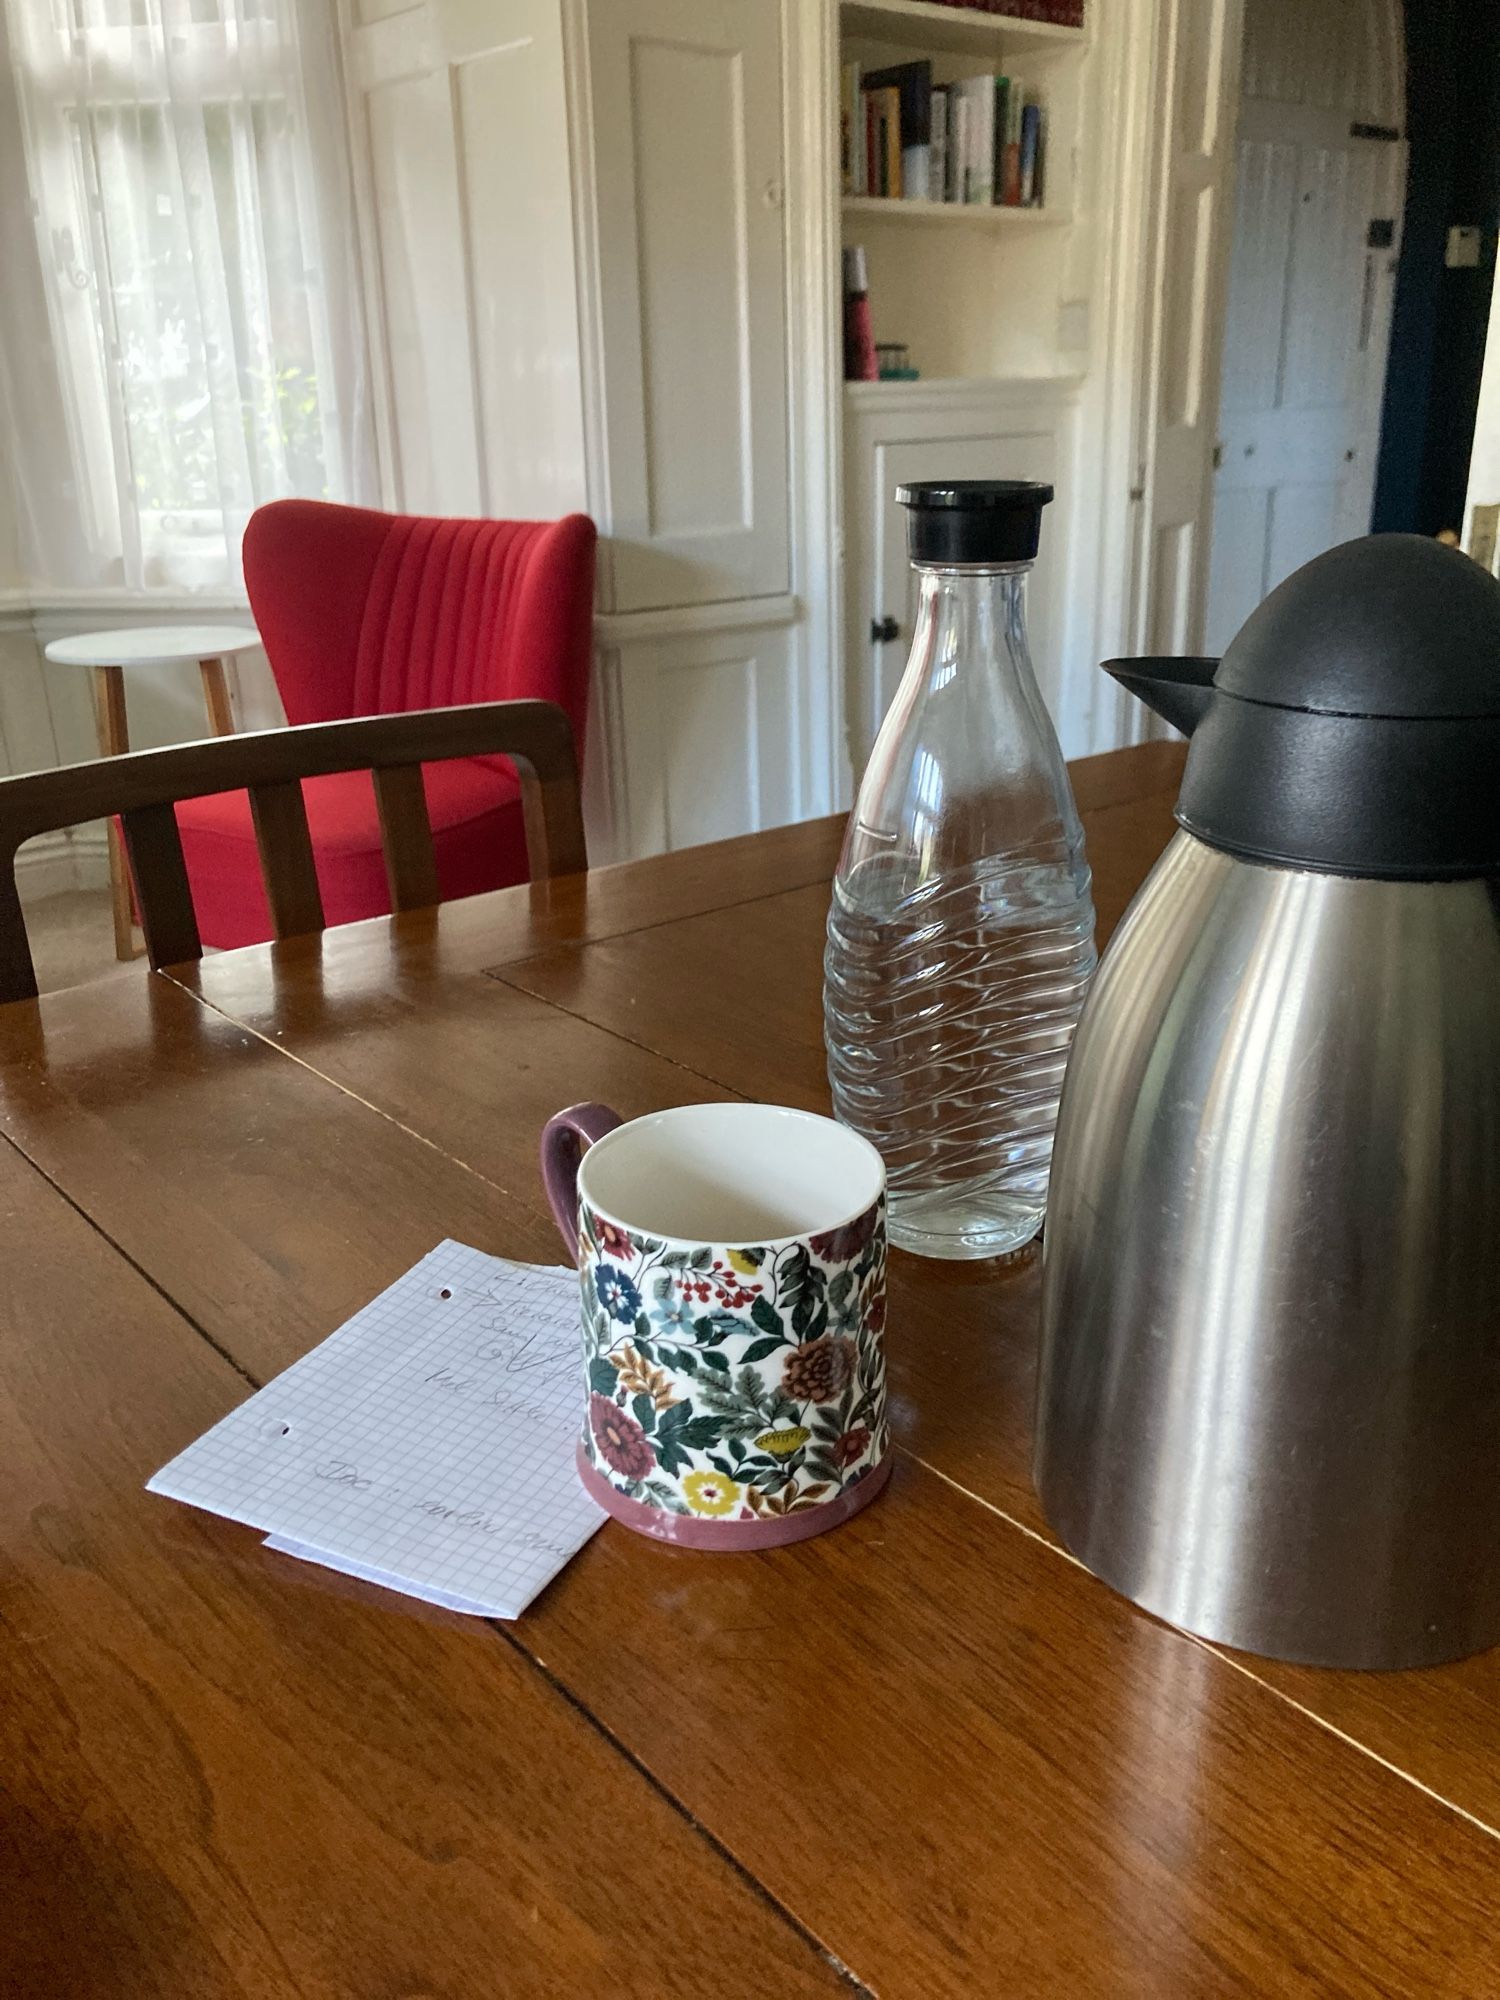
(108, 654)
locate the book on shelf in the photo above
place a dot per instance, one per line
(958, 143)
(888, 99)
(851, 130)
(997, 173)
(978, 140)
(1031, 155)
(937, 150)
(979, 148)
(1009, 187)
(912, 84)
(883, 143)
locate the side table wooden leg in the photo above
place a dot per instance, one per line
(114, 740)
(216, 697)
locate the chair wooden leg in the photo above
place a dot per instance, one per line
(114, 741)
(216, 697)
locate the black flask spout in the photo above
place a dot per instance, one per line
(1179, 690)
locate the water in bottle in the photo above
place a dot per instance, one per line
(961, 936)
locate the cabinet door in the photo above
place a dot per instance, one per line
(1022, 451)
(708, 741)
(686, 109)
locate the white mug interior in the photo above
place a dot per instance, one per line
(731, 1173)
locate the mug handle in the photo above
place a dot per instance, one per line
(566, 1137)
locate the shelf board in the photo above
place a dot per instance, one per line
(983, 214)
(961, 390)
(921, 26)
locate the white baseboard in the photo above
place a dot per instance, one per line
(75, 858)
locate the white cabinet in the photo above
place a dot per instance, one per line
(974, 431)
(707, 734)
(688, 178)
(602, 242)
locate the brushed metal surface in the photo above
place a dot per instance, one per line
(1269, 1395)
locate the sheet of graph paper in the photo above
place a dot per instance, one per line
(428, 1445)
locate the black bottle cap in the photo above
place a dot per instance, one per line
(1353, 725)
(973, 520)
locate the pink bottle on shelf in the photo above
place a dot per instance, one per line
(859, 331)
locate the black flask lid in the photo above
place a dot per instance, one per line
(1353, 724)
(1393, 626)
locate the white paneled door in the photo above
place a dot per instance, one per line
(688, 173)
(1319, 178)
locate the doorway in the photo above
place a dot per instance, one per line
(1319, 178)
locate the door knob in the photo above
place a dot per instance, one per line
(884, 630)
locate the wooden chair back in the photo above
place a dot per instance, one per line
(143, 787)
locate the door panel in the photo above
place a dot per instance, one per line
(1237, 564)
(1261, 245)
(1325, 288)
(709, 737)
(1303, 521)
(457, 115)
(686, 109)
(1308, 317)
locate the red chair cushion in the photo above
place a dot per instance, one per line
(478, 839)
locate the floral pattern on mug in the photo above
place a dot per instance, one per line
(735, 1384)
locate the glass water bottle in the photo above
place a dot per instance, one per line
(961, 936)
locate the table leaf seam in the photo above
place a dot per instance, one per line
(174, 1305)
(498, 970)
(683, 1810)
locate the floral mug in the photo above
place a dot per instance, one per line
(732, 1265)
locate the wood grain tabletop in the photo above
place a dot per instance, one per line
(924, 1755)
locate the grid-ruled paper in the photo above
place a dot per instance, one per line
(427, 1445)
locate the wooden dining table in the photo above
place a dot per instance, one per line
(924, 1755)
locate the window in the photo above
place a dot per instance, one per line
(183, 198)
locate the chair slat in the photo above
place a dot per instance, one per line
(554, 826)
(17, 972)
(286, 857)
(161, 881)
(406, 836)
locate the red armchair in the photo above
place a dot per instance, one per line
(366, 614)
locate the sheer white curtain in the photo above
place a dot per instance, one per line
(200, 348)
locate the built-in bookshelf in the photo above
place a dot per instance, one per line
(974, 289)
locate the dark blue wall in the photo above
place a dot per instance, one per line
(1441, 316)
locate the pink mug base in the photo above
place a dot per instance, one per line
(688, 1531)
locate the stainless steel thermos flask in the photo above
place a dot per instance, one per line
(1269, 1400)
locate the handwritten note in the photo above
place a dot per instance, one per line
(427, 1445)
